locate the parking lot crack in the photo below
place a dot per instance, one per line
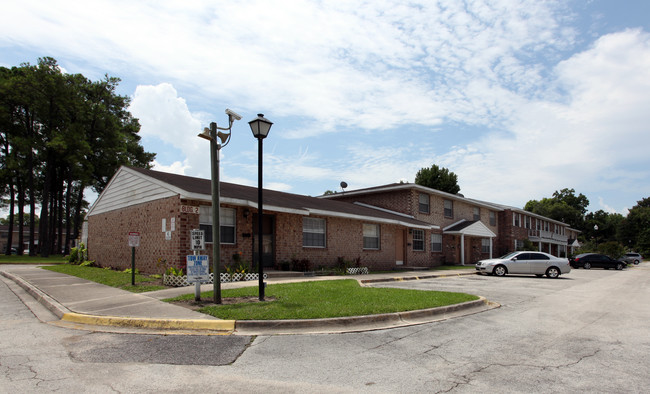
(467, 378)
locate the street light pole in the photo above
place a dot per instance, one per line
(212, 134)
(216, 204)
(260, 221)
(260, 127)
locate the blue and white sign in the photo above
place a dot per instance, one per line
(198, 268)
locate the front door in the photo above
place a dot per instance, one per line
(268, 240)
(399, 247)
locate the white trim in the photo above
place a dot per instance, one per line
(476, 229)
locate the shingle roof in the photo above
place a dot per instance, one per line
(280, 199)
(405, 186)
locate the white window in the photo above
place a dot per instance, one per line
(519, 244)
(313, 232)
(493, 218)
(418, 240)
(423, 205)
(227, 221)
(449, 208)
(485, 245)
(477, 213)
(527, 221)
(371, 236)
(516, 220)
(436, 242)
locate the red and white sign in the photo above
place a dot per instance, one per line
(134, 239)
(189, 209)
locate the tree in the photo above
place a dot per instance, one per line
(634, 230)
(564, 206)
(59, 134)
(438, 178)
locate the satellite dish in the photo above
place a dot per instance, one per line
(343, 185)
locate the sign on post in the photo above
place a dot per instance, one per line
(134, 242)
(198, 239)
(198, 268)
(134, 239)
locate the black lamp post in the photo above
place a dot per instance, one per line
(596, 235)
(260, 127)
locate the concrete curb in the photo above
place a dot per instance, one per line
(48, 302)
(253, 327)
(414, 277)
(361, 323)
(67, 315)
(151, 323)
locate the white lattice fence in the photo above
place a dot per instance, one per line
(358, 271)
(181, 281)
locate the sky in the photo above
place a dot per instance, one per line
(518, 98)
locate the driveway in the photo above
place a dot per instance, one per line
(588, 331)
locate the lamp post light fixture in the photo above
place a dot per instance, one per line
(260, 127)
(213, 135)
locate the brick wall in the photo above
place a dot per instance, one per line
(108, 236)
(398, 200)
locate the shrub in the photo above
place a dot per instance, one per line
(301, 265)
(173, 271)
(78, 254)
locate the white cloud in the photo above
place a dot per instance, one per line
(164, 116)
(543, 122)
(367, 65)
(175, 168)
(585, 142)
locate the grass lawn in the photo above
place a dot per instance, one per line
(325, 299)
(14, 259)
(109, 277)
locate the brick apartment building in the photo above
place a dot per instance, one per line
(397, 225)
(471, 229)
(164, 208)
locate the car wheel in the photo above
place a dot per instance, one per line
(499, 270)
(636, 262)
(587, 266)
(619, 266)
(553, 272)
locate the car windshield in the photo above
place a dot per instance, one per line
(509, 255)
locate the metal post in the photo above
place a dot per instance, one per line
(259, 218)
(216, 225)
(197, 284)
(133, 266)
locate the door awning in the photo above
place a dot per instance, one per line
(472, 228)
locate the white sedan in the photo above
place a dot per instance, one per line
(525, 262)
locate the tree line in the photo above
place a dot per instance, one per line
(605, 232)
(59, 135)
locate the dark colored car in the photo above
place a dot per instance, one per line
(595, 260)
(632, 257)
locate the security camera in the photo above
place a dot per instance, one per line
(233, 114)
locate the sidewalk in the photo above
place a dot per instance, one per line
(78, 301)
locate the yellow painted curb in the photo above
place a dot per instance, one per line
(178, 324)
